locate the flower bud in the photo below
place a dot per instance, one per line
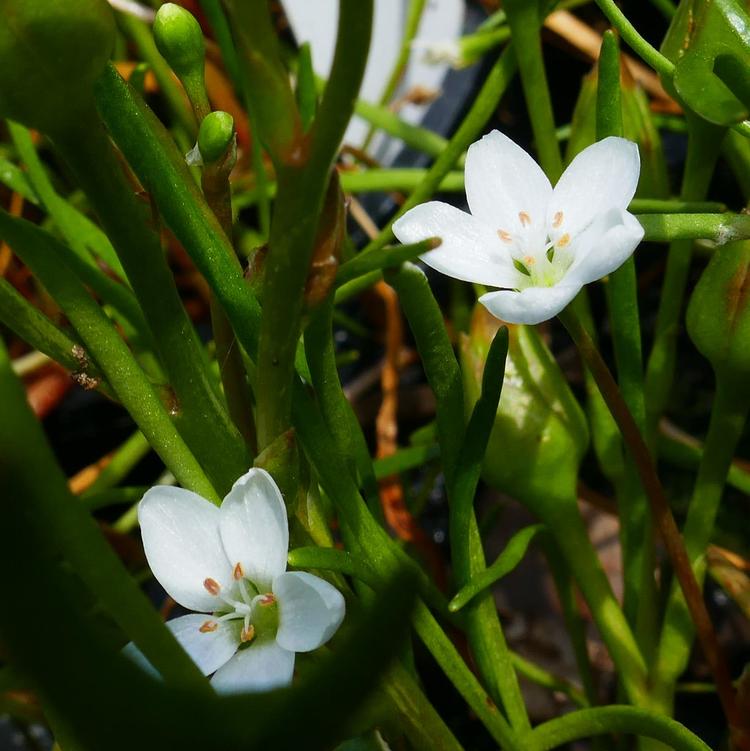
(718, 316)
(51, 52)
(179, 39)
(215, 136)
(540, 432)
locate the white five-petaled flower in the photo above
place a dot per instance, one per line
(538, 244)
(229, 564)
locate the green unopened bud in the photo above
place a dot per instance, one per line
(179, 39)
(51, 52)
(215, 136)
(540, 431)
(718, 316)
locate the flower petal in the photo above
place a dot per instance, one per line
(254, 528)
(260, 667)
(209, 650)
(470, 250)
(531, 305)
(180, 532)
(601, 177)
(604, 247)
(310, 610)
(503, 183)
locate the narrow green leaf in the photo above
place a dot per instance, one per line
(506, 562)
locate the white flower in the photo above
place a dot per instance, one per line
(230, 562)
(539, 245)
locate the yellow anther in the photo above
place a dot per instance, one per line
(506, 237)
(529, 260)
(208, 627)
(563, 241)
(212, 586)
(524, 218)
(238, 573)
(267, 599)
(557, 219)
(247, 634)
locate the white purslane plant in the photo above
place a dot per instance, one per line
(537, 244)
(228, 563)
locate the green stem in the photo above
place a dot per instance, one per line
(202, 418)
(153, 156)
(268, 93)
(223, 35)
(40, 253)
(424, 728)
(120, 464)
(585, 723)
(446, 655)
(51, 522)
(443, 374)
(218, 195)
(634, 40)
(636, 534)
(564, 521)
(76, 251)
(728, 415)
(36, 329)
(524, 21)
(547, 680)
(719, 228)
(503, 565)
(413, 136)
(704, 142)
(388, 258)
(67, 219)
(429, 631)
(675, 206)
(405, 459)
(575, 625)
(685, 451)
(484, 105)
(660, 510)
(296, 211)
(335, 407)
